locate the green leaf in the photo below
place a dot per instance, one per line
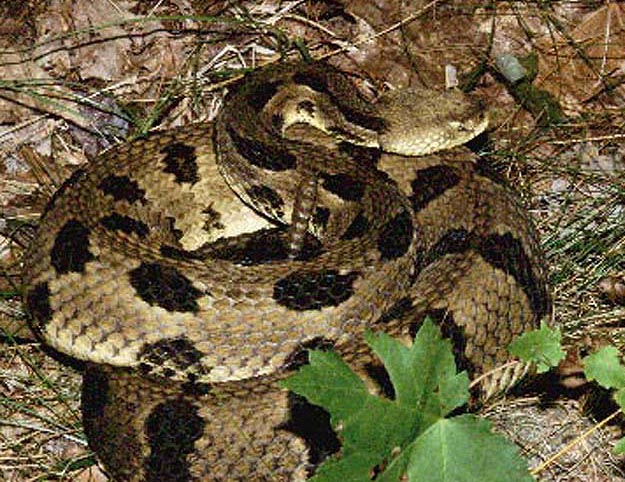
(619, 447)
(388, 437)
(370, 427)
(605, 367)
(434, 389)
(366, 424)
(459, 449)
(541, 347)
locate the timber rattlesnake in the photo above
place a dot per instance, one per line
(188, 304)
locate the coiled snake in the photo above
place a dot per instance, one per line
(192, 268)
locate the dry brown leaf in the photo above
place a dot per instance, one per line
(580, 64)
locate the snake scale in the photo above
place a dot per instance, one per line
(192, 268)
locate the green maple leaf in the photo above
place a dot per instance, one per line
(541, 347)
(605, 367)
(410, 430)
(459, 449)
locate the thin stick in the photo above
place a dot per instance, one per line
(567, 447)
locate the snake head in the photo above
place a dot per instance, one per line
(423, 121)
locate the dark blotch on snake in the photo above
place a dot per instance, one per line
(452, 242)
(261, 155)
(126, 224)
(70, 252)
(260, 94)
(181, 161)
(395, 236)
(122, 188)
(344, 186)
(313, 290)
(321, 216)
(268, 198)
(38, 304)
(299, 356)
(165, 286)
(94, 393)
(400, 309)
(312, 423)
(313, 80)
(179, 254)
(367, 157)
(485, 169)
(171, 430)
(431, 182)
(263, 246)
(358, 227)
(506, 253)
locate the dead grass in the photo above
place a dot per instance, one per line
(78, 76)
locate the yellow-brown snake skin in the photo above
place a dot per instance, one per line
(190, 269)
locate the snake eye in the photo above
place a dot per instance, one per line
(306, 106)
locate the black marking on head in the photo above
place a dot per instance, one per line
(507, 253)
(395, 236)
(261, 155)
(170, 356)
(431, 182)
(268, 198)
(70, 252)
(166, 287)
(94, 397)
(69, 184)
(126, 224)
(262, 94)
(358, 227)
(122, 188)
(38, 304)
(306, 106)
(213, 219)
(312, 424)
(344, 186)
(181, 161)
(263, 246)
(317, 82)
(171, 430)
(313, 290)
